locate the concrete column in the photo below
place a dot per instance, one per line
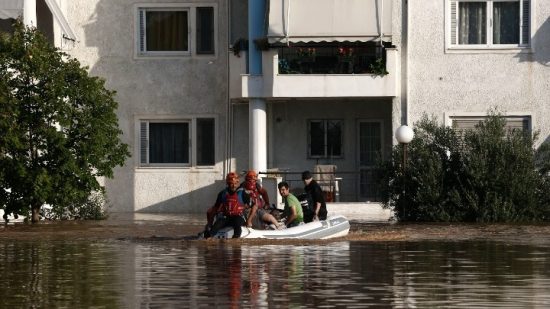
(257, 134)
(257, 107)
(29, 13)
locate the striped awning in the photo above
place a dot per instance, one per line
(329, 20)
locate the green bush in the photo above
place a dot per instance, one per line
(488, 174)
(92, 208)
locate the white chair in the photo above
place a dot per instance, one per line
(325, 176)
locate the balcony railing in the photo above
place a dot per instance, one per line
(274, 83)
(331, 60)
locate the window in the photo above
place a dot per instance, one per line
(489, 23)
(164, 31)
(325, 138)
(168, 31)
(205, 30)
(462, 123)
(168, 143)
(205, 141)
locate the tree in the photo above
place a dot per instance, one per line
(488, 174)
(59, 127)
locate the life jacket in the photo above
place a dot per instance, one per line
(232, 203)
(256, 197)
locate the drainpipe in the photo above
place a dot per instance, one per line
(405, 69)
(228, 126)
(29, 13)
(257, 119)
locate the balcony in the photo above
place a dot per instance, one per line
(313, 80)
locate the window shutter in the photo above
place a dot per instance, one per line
(205, 30)
(460, 124)
(143, 142)
(142, 30)
(525, 33)
(454, 22)
(521, 124)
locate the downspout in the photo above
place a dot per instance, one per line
(380, 23)
(405, 102)
(287, 26)
(257, 107)
(228, 115)
(29, 13)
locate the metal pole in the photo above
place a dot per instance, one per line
(404, 180)
(404, 157)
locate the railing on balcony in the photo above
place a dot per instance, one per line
(343, 59)
(276, 84)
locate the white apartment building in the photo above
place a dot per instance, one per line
(195, 102)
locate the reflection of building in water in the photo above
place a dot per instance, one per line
(156, 274)
(229, 275)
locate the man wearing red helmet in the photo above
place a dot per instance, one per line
(228, 209)
(256, 215)
(252, 177)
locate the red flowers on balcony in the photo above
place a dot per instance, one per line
(306, 52)
(345, 53)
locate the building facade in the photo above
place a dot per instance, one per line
(282, 86)
(467, 57)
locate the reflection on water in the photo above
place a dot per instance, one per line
(54, 275)
(205, 274)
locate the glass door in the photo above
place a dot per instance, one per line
(369, 152)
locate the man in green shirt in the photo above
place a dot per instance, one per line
(293, 209)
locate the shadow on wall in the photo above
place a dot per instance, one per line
(541, 41)
(104, 37)
(197, 201)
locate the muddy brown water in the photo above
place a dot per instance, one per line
(153, 261)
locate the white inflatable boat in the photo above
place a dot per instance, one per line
(333, 226)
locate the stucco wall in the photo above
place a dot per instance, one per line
(442, 81)
(152, 87)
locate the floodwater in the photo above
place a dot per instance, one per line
(148, 273)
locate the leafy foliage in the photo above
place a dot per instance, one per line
(58, 124)
(378, 67)
(489, 174)
(92, 209)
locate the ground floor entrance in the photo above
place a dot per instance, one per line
(345, 136)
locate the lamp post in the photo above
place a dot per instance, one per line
(404, 135)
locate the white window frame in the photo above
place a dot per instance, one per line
(525, 43)
(142, 151)
(191, 9)
(450, 116)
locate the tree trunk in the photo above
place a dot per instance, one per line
(35, 217)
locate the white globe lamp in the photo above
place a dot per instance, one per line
(404, 134)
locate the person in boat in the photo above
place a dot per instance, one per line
(292, 212)
(312, 188)
(228, 209)
(251, 176)
(256, 213)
